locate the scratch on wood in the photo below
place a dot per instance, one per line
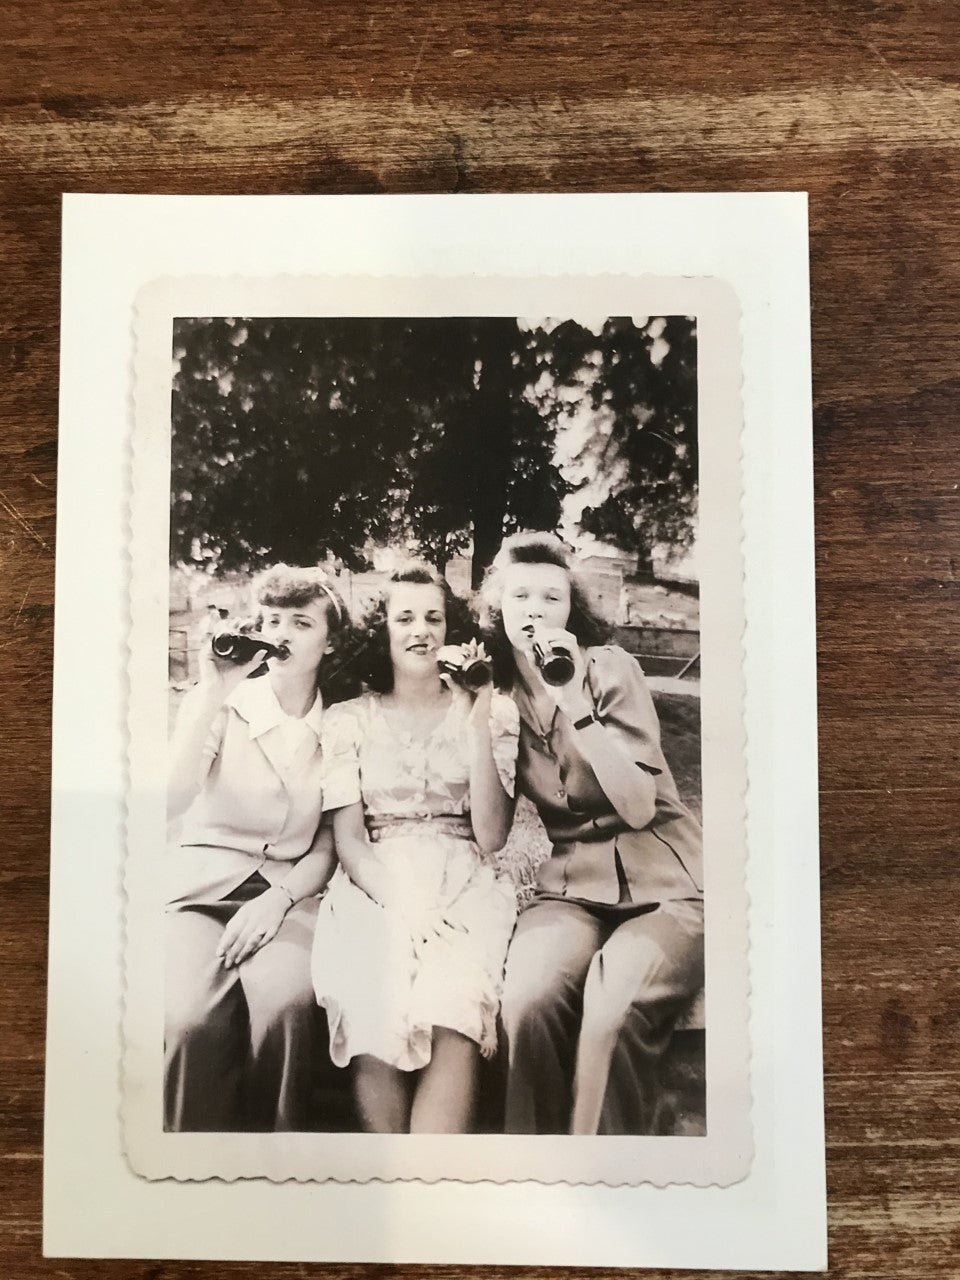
(21, 520)
(884, 116)
(408, 92)
(910, 91)
(408, 110)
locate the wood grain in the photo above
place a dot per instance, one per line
(858, 103)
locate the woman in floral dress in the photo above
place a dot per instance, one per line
(411, 937)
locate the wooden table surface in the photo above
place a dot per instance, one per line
(857, 103)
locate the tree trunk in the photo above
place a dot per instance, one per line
(443, 554)
(492, 441)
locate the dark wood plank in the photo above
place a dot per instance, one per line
(857, 102)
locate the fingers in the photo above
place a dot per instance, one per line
(231, 947)
(556, 635)
(231, 931)
(245, 946)
(441, 927)
(242, 937)
(451, 654)
(226, 675)
(253, 945)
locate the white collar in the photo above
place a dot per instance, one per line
(256, 702)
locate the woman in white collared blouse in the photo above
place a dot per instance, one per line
(242, 1033)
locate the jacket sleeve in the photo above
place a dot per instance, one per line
(624, 704)
(214, 740)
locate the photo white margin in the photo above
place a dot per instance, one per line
(94, 1205)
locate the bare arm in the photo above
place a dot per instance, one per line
(315, 868)
(356, 854)
(257, 921)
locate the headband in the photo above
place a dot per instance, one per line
(333, 600)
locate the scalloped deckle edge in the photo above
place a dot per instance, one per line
(724, 1155)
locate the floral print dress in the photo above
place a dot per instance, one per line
(384, 985)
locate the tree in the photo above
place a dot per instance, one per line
(275, 423)
(302, 439)
(298, 439)
(645, 393)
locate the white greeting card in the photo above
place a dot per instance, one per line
(349, 383)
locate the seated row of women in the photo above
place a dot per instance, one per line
(343, 858)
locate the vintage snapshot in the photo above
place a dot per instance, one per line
(435, 842)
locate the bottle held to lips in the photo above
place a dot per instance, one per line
(238, 644)
(554, 660)
(473, 670)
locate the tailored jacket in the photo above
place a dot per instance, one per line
(596, 857)
(256, 811)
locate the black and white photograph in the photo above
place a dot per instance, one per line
(431, 862)
(434, 775)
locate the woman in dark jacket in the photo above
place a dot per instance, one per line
(611, 946)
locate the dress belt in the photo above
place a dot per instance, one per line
(441, 824)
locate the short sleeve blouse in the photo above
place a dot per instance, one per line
(397, 775)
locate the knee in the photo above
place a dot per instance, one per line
(533, 1001)
(607, 1006)
(290, 1018)
(277, 985)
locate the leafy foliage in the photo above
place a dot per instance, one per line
(646, 388)
(307, 439)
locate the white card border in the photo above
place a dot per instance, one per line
(94, 1205)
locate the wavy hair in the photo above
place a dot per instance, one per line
(585, 622)
(370, 663)
(284, 586)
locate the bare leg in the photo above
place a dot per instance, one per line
(383, 1096)
(446, 1092)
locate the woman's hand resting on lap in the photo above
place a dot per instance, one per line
(253, 926)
